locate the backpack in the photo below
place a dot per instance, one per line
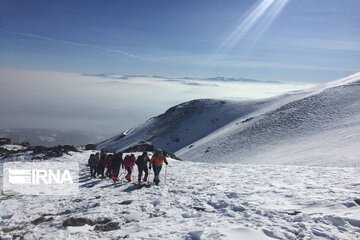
(129, 162)
(142, 160)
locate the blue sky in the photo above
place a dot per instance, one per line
(307, 40)
(52, 54)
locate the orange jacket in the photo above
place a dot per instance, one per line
(158, 160)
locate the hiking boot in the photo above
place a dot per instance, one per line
(156, 180)
(128, 177)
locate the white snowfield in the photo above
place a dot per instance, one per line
(198, 201)
(319, 127)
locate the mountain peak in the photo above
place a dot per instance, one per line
(349, 80)
(259, 131)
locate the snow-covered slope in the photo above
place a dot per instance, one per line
(320, 126)
(183, 124)
(198, 201)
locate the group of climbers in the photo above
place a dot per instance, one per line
(112, 162)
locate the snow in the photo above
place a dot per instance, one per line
(183, 124)
(317, 127)
(352, 79)
(244, 233)
(13, 147)
(199, 201)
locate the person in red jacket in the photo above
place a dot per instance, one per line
(129, 162)
(108, 161)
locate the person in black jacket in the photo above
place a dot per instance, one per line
(116, 163)
(101, 163)
(142, 162)
(93, 161)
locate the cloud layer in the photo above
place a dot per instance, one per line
(109, 103)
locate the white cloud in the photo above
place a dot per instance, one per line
(66, 101)
(36, 36)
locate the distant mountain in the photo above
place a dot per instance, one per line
(178, 79)
(48, 137)
(315, 127)
(248, 80)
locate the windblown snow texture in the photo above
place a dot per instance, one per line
(183, 124)
(198, 201)
(319, 127)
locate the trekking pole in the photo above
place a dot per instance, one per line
(149, 172)
(165, 174)
(120, 174)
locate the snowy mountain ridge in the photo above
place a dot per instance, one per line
(183, 124)
(352, 79)
(322, 124)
